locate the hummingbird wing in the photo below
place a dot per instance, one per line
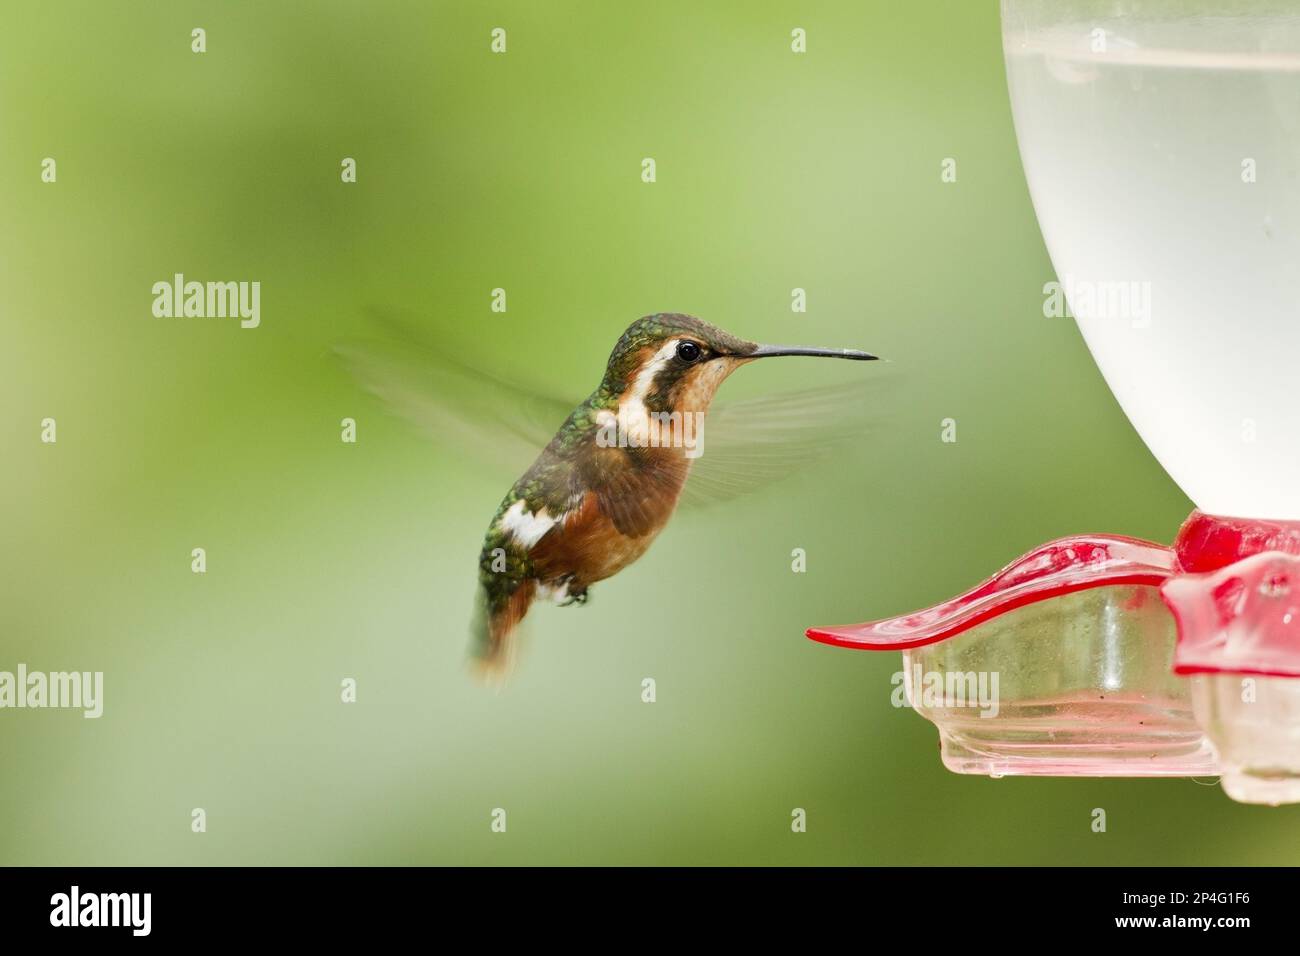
(751, 443)
(500, 422)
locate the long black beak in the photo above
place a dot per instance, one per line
(769, 351)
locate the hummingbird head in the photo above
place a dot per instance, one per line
(674, 362)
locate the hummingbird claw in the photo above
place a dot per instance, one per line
(575, 597)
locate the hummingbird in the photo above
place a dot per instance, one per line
(611, 477)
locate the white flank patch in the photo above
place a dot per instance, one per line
(526, 527)
(558, 595)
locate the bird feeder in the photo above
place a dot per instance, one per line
(1158, 141)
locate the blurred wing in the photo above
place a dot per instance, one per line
(468, 408)
(752, 443)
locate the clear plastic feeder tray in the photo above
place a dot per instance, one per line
(1078, 649)
(1084, 687)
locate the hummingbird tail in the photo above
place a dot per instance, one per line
(495, 631)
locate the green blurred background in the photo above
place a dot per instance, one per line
(328, 560)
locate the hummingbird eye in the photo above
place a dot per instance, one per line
(689, 352)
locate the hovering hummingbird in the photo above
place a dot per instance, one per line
(608, 481)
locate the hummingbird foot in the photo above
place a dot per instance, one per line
(569, 595)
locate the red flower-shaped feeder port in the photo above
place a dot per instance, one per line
(1069, 662)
